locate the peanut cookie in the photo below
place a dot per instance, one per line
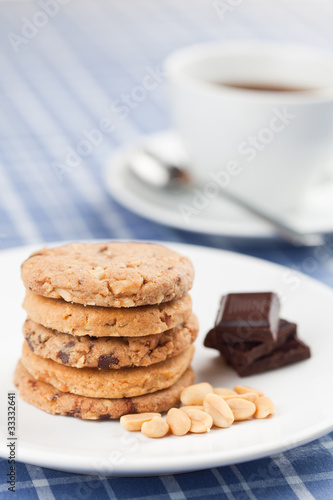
(106, 321)
(109, 274)
(99, 383)
(109, 352)
(51, 400)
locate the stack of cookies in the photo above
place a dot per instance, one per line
(109, 331)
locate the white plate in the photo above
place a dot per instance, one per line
(220, 217)
(300, 392)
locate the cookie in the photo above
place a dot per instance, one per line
(99, 383)
(109, 352)
(109, 274)
(51, 400)
(106, 321)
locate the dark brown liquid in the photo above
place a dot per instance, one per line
(262, 87)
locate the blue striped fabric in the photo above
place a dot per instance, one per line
(64, 65)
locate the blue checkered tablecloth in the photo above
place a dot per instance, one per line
(62, 65)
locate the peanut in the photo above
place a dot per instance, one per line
(219, 410)
(243, 389)
(250, 396)
(179, 423)
(98, 273)
(241, 408)
(265, 407)
(155, 428)
(194, 394)
(204, 406)
(64, 294)
(134, 422)
(185, 409)
(200, 421)
(223, 391)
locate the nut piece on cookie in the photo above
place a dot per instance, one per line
(178, 421)
(224, 391)
(219, 410)
(195, 394)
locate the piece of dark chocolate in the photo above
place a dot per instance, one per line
(246, 317)
(246, 353)
(292, 351)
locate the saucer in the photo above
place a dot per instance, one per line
(219, 217)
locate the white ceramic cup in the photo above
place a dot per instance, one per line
(268, 147)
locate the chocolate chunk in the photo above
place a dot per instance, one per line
(32, 383)
(63, 356)
(131, 406)
(292, 351)
(107, 360)
(246, 352)
(69, 344)
(30, 344)
(247, 317)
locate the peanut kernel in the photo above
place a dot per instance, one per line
(179, 423)
(219, 410)
(134, 422)
(223, 391)
(191, 407)
(155, 428)
(241, 408)
(194, 394)
(200, 421)
(250, 396)
(98, 272)
(243, 389)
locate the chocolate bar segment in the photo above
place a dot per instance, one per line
(246, 353)
(248, 317)
(251, 337)
(292, 351)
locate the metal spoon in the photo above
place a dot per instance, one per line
(158, 173)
